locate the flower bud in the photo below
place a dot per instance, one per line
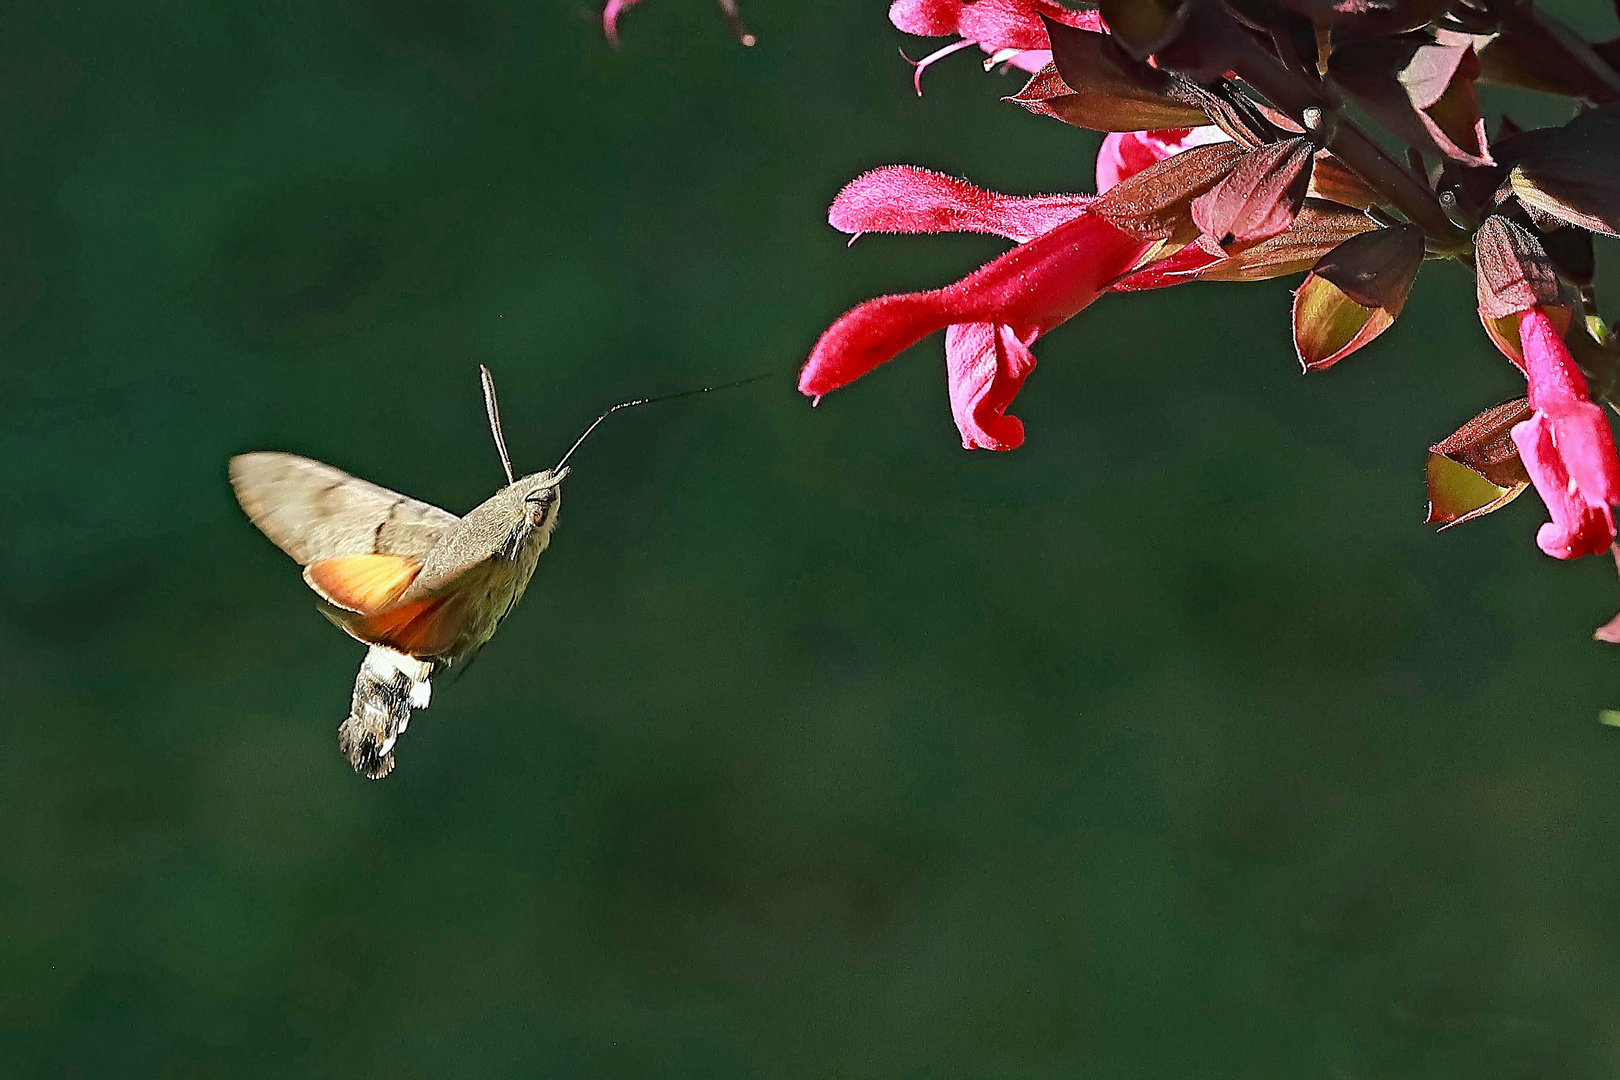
(1477, 468)
(1354, 293)
(1513, 274)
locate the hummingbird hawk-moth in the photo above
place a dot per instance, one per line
(423, 588)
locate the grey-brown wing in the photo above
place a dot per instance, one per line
(313, 511)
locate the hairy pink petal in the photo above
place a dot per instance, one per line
(985, 366)
(1016, 24)
(926, 18)
(995, 24)
(1030, 289)
(906, 199)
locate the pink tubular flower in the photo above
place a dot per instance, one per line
(1009, 30)
(993, 315)
(1566, 446)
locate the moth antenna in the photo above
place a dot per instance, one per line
(653, 401)
(493, 408)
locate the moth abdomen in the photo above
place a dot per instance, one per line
(389, 685)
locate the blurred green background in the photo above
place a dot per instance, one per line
(1170, 745)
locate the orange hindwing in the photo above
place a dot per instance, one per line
(362, 583)
(428, 627)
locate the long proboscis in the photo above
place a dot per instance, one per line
(655, 400)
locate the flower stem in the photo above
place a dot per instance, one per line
(1294, 92)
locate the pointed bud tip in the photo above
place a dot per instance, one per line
(1458, 493)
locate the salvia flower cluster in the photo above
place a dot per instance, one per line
(1249, 140)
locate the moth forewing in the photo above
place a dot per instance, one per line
(313, 511)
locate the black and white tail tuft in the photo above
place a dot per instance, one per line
(389, 686)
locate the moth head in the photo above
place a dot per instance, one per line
(542, 493)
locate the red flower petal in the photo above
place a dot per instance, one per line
(1016, 24)
(1586, 444)
(985, 366)
(1555, 381)
(1577, 527)
(1126, 153)
(1177, 269)
(869, 334)
(906, 199)
(1580, 428)
(995, 24)
(1010, 31)
(926, 18)
(1030, 289)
